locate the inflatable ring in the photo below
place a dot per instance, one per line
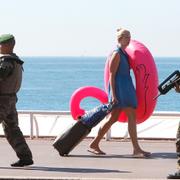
(80, 94)
(146, 77)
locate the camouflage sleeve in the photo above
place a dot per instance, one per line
(6, 68)
(178, 140)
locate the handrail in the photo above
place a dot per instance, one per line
(156, 113)
(44, 112)
(34, 124)
(33, 121)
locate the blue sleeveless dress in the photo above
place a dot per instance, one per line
(124, 88)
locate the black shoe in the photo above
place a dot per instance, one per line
(21, 163)
(176, 175)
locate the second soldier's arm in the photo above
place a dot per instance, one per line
(177, 87)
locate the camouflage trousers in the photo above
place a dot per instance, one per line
(178, 145)
(13, 134)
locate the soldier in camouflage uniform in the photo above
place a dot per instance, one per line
(176, 175)
(10, 82)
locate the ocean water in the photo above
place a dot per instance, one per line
(48, 82)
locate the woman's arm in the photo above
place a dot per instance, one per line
(113, 66)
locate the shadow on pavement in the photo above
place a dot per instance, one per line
(70, 170)
(159, 155)
(164, 155)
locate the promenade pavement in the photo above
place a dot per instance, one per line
(80, 164)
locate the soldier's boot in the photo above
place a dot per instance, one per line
(18, 143)
(22, 162)
(24, 154)
(176, 175)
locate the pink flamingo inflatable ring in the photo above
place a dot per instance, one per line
(84, 92)
(146, 83)
(146, 78)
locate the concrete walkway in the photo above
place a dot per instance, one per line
(80, 164)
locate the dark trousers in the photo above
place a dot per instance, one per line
(13, 134)
(178, 145)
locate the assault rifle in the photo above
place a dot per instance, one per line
(169, 83)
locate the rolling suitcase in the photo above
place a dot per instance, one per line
(75, 134)
(70, 138)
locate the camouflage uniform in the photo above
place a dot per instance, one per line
(178, 146)
(10, 82)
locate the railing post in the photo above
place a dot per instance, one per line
(36, 126)
(31, 125)
(108, 135)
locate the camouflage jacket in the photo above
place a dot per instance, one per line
(10, 73)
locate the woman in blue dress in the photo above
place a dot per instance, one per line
(122, 93)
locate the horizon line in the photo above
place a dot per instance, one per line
(87, 56)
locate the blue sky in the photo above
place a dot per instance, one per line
(88, 27)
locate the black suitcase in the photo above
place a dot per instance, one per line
(74, 135)
(71, 138)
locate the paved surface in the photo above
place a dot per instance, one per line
(117, 164)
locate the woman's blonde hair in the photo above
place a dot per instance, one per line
(121, 32)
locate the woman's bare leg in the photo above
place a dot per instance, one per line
(102, 131)
(132, 128)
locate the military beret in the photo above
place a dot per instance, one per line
(5, 37)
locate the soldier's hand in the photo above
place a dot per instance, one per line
(177, 87)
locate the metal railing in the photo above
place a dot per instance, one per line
(34, 123)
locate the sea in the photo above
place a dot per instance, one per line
(49, 82)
